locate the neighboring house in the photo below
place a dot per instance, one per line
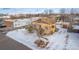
(21, 22)
(66, 21)
(75, 24)
(2, 25)
(1, 21)
(9, 22)
(66, 24)
(17, 22)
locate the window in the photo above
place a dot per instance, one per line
(52, 26)
(46, 28)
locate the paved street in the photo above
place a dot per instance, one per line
(7, 43)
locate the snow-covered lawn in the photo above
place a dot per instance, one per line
(58, 40)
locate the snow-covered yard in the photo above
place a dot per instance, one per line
(57, 41)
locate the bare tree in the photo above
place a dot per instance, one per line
(71, 19)
(62, 10)
(72, 11)
(48, 11)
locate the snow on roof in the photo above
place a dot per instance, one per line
(10, 20)
(77, 18)
(76, 27)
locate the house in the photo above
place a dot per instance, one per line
(8, 22)
(1, 21)
(44, 26)
(66, 21)
(66, 24)
(17, 22)
(75, 24)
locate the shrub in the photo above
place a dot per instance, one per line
(30, 28)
